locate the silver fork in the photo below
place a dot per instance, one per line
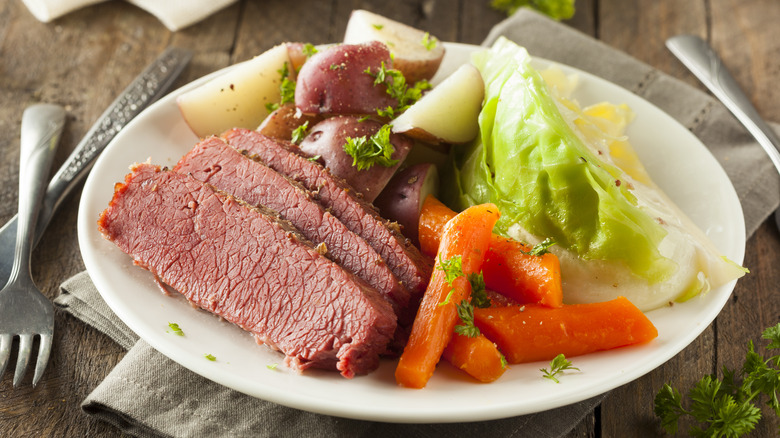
(707, 66)
(24, 310)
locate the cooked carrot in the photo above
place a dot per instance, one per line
(508, 269)
(433, 216)
(477, 356)
(467, 237)
(533, 332)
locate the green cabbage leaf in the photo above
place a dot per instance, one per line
(543, 177)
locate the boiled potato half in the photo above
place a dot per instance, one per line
(449, 112)
(236, 98)
(416, 54)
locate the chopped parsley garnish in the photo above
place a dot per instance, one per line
(175, 329)
(210, 357)
(366, 152)
(466, 314)
(557, 366)
(727, 407)
(479, 296)
(429, 42)
(542, 247)
(309, 50)
(315, 158)
(299, 133)
(378, 26)
(272, 366)
(286, 89)
(452, 268)
(397, 89)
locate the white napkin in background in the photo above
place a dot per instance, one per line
(174, 14)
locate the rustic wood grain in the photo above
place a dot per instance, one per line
(83, 60)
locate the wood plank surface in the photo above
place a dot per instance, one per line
(84, 59)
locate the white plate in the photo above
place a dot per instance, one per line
(678, 162)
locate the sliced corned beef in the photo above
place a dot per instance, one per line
(403, 258)
(213, 161)
(251, 268)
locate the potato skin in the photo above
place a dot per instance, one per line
(410, 56)
(297, 57)
(327, 138)
(415, 70)
(334, 81)
(283, 121)
(402, 197)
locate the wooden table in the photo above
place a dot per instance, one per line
(86, 58)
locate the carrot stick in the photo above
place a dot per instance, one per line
(477, 356)
(433, 216)
(533, 332)
(508, 269)
(467, 237)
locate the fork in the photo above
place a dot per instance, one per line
(707, 66)
(24, 310)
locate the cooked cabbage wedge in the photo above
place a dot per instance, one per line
(557, 170)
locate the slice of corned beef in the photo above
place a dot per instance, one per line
(213, 161)
(403, 258)
(251, 268)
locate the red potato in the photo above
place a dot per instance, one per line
(334, 81)
(326, 141)
(402, 198)
(297, 57)
(284, 120)
(416, 54)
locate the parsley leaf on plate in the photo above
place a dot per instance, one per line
(557, 366)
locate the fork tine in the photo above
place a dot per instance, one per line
(5, 352)
(43, 357)
(25, 348)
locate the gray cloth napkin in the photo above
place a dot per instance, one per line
(147, 394)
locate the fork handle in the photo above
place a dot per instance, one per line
(707, 66)
(41, 128)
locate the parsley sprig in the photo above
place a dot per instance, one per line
(557, 366)
(429, 42)
(479, 296)
(309, 50)
(397, 89)
(726, 407)
(286, 89)
(300, 132)
(453, 268)
(368, 151)
(466, 314)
